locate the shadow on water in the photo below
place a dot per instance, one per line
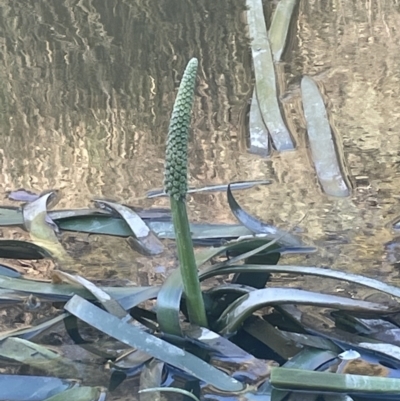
(86, 91)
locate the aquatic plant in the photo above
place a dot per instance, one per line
(175, 183)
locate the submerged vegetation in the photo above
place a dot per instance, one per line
(198, 342)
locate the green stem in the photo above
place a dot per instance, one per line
(190, 278)
(175, 182)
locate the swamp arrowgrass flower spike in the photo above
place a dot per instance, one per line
(175, 183)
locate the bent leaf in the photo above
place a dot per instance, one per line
(259, 227)
(144, 241)
(243, 307)
(40, 231)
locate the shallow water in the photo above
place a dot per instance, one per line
(86, 91)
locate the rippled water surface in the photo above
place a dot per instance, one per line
(87, 88)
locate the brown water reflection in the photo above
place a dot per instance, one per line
(87, 89)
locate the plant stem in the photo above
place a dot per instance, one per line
(190, 278)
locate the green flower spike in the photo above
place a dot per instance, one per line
(175, 180)
(175, 183)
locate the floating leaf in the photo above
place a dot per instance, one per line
(79, 394)
(265, 77)
(259, 139)
(322, 145)
(279, 28)
(150, 344)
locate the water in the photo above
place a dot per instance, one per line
(86, 91)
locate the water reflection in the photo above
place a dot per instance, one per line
(87, 89)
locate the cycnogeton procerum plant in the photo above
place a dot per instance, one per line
(175, 183)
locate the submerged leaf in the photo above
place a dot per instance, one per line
(79, 394)
(9, 271)
(150, 344)
(168, 390)
(144, 241)
(259, 139)
(37, 356)
(265, 77)
(32, 388)
(15, 249)
(28, 333)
